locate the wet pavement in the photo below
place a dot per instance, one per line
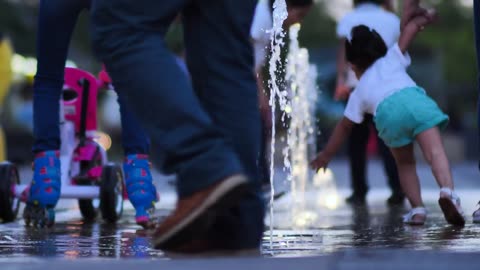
(309, 227)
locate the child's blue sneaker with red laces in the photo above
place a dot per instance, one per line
(140, 189)
(44, 191)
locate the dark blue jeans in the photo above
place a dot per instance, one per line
(206, 130)
(476, 10)
(57, 19)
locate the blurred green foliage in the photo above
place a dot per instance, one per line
(318, 28)
(453, 36)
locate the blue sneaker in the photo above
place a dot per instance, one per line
(44, 191)
(140, 189)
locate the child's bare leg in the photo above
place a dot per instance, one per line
(432, 147)
(407, 172)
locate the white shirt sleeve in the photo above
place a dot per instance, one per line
(355, 109)
(262, 21)
(344, 27)
(393, 61)
(395, 54)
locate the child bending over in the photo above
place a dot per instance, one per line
(403, 113)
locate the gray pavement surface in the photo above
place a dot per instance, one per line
(345, 260)
(311, 230)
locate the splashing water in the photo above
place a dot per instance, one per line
(296, 95)
(301, 77)
(276, 42)
(297, 72)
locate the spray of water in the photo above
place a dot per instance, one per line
(301, 77)
(276, 42)
(296, 96)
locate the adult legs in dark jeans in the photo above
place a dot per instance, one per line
(357, 152)
(217, 37)
(57, 19)
(206, 135)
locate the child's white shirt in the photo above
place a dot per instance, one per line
(262, 22)
(385, 77)
(384, 22)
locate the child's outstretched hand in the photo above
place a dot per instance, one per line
(419, 18)
(320, 161)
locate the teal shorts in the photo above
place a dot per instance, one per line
(405, 114)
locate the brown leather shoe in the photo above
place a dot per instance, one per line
(194, 214)
(210, 245)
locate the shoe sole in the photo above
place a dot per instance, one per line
(39, 217)
(413, 223)
(416, 223)
(450, 212)
(226, 195)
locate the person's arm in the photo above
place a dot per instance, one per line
(389, 6)
(340, 133)
(263, 101)
(341, 62)
(341, 90)
(409, 8)
(415, 25)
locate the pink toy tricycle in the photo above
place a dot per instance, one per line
(85, 173)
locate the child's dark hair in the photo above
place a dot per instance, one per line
(364, 47)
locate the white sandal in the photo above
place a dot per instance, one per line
(408, 218)
(451, 208)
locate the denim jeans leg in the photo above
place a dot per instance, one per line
(129, 38)
(56, 21)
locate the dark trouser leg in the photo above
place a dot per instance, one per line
(220, 59)
(134, 138)
(204, 135)
(129, 37)
(390, 167)
(357, 146)
(56, 21)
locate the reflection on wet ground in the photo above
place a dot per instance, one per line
(318, 230)
(380, 230)
(348, 228)
(76, 239)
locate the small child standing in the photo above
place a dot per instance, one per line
(403, 113)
